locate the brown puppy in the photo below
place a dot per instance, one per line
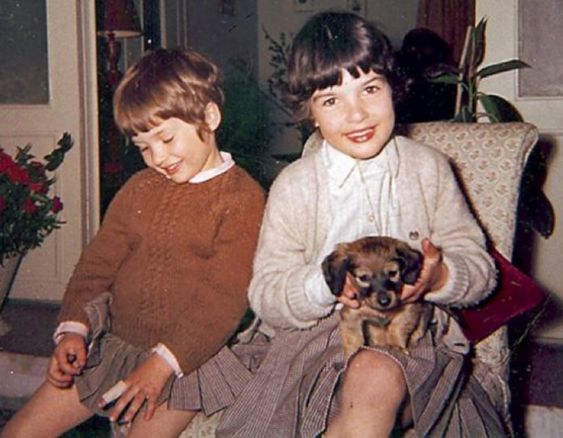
(379, 266)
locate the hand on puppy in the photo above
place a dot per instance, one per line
(145, 383)
(68, 360)
(349, 293)
(433, 276)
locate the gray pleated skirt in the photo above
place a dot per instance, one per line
(292, 394)
(210, 388)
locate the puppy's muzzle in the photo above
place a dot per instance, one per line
(383, 299)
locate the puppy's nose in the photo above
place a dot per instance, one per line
(383, 300)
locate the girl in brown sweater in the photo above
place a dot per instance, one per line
(162, 287)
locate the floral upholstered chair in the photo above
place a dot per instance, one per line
(489, 159)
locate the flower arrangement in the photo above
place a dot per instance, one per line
(28, 213)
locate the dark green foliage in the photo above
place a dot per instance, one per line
(469, 76)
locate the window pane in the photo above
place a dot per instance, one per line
(24, 68)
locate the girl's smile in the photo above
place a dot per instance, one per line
(361, 136)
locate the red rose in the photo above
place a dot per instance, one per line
(3, 203)
(6, 162)
(18, 175)
(29, 206)
(57, 205)
(37, 187)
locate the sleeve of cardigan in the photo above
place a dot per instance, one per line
(98, 263)
(282, 267)
(220, 293)
(472, 273)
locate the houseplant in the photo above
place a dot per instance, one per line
(28, 211)
(467, 78)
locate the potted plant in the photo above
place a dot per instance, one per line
(28, 211)
(468, 76)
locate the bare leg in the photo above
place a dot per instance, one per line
(371, 395)
(50, 412)
(164, 423)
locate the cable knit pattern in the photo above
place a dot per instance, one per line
(177, 260)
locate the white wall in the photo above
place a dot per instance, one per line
(547, 114)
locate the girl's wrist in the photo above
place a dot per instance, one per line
(442, 277)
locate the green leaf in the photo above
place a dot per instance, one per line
(479, 42)
(55, 158)
(445, 78)
(501, 67)
(499, 109)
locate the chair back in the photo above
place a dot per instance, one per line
(489, 159)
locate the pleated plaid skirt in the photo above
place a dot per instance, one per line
(292, 393)
(210, 388)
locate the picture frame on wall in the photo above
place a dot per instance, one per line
(540, 33)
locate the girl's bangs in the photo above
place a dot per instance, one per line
(327, 72)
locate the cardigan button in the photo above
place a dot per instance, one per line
(413, 235)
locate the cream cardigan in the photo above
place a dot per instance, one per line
(430, 204)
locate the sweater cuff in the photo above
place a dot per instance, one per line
(456, 285)
(70, 327)
(163, 351)
(308, 306)
(316, 289)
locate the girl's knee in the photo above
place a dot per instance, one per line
(376, 373)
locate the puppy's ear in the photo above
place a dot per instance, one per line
(335, 266)
(410, 261)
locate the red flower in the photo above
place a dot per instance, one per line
(29, 206)
(6, 162)
(17, 174)
(27, 212)
(37, 187)
(57, 205)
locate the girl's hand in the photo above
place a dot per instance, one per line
(348, 295)
(143, 384)
(433, 276)
(67, 360)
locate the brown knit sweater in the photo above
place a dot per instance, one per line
(177, 259)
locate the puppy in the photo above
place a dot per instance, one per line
(379, 266)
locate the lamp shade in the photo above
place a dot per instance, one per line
(119, 17)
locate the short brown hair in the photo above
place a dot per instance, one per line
(328, 43)
(163, 84)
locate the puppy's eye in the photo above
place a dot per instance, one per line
(363, 280)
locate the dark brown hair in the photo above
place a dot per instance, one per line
(328, 43)
(164, 84)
